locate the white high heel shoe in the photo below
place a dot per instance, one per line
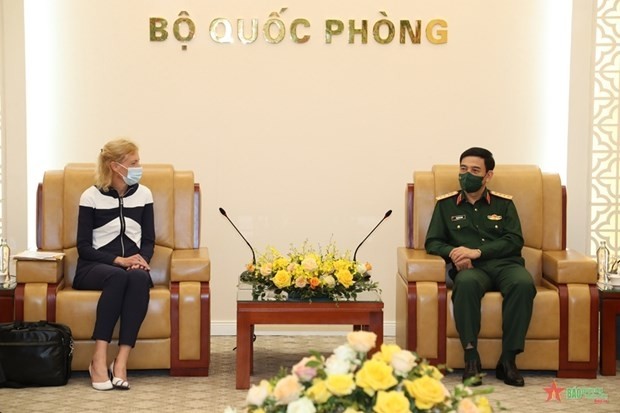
(102, 385)
(117, 382)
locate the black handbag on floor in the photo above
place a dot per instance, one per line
(35, 354)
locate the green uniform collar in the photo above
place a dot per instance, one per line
(486, 195)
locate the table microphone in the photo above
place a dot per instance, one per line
(387, 214)
(246, 241)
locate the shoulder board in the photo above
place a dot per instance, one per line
(448, 195)
(499, 194)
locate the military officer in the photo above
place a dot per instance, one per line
(478, 232)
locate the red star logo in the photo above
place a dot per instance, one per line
(553, 391)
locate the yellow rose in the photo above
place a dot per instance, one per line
(391, 402)
(432, 371)
(352, 410)
(374, 376)
(426, 391)
(386, 353)
(483, 405)
(318, 391)
(345, 278)
(259, 410)
(340, 384)
(287, 389)
(362, 341)
(282, 279)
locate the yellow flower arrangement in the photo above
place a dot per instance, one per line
(307, 274)
(391, 381)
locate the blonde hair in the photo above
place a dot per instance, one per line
(113, 151)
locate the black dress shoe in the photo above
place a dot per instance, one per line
(472, 373)
(507, 371)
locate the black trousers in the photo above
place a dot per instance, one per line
(124, 295)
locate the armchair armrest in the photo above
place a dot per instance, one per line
(568, 266)
(39, 271)
(37, 284)
(190, 265)
(417, 265)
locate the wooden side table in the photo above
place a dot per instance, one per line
(610, 309)
(7, 307)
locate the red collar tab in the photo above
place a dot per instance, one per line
(486, 196)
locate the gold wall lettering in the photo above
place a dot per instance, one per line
(274, 30)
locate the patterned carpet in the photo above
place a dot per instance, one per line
(156, 391)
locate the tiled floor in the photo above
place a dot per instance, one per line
(156, 391)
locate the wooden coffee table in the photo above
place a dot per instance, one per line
(365, 313)
(610, 308)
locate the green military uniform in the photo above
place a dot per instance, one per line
(491, 225)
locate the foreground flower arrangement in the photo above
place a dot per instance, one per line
(306, 274)
(391, 381)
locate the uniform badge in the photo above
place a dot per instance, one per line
(499, 194)
(494, 217)
(448, 195)
(455, 218)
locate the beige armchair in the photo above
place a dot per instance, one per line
(175, 334)
(563, 333)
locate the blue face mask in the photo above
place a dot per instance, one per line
(133, 175)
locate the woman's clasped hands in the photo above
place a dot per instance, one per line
(134, 262)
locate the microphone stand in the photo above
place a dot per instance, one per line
(239, 232)
(387, 214)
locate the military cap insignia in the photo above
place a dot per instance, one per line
(448, 195)
(499, 194)
(494, 217)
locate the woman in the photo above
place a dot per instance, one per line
(115, 242)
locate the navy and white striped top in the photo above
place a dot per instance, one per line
(110, 226)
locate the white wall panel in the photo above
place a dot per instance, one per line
(297, 141)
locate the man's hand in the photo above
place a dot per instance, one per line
(459, 254)
(464, 264)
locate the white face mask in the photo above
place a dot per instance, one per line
(133, 175)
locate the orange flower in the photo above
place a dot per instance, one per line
(314, 282)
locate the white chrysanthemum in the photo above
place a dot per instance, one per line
(345, 352)
(329, 281)
(336, 365)
(302, 405)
